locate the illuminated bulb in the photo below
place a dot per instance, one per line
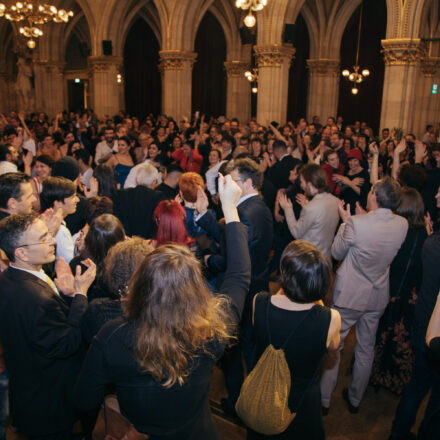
(359, 79)
(254, 90)
(31, 44)
(345, 72)
(249, 20)
(351, 77)
(19, 5)
(247, 73)
(365, 72)
(354, 90)
(21, 30)
(238, 4)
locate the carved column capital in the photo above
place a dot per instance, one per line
(273, 55)
(236, 68)
(104, 63)
(49, 66)
(429, 66)
(176, 59)
(402, 51)
(323, 67)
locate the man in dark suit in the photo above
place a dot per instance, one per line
(279, 173)
(256, 216)
(40, 334)
(135, 206)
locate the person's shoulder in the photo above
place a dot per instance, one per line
(116, 328)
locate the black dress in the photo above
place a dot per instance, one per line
(394, 357)
(303, 352)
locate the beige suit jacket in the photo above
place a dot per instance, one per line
(368, 244)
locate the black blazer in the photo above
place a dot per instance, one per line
(135, 207)
(179, 412)
(256, 216)
(42, 343)
(279, 173)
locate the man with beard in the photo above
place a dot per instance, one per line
(107, 147)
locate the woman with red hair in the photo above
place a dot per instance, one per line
(169, 217)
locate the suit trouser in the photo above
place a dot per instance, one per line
(366, 327)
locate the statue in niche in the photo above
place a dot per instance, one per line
(23, 85)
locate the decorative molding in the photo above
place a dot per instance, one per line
(236, 68)
(273, 55)
(176, 59)
(323, 67)
(52, 67)
(104, 63)
(430, 66)
(402, 51)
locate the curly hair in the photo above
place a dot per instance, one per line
(121, 262)
(175, 313)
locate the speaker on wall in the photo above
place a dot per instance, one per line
(107, 48)
(289, 33)
(246, 35)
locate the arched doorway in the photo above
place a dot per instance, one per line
(366, 105)
(143, 85)
(298, 73)
(209, 75)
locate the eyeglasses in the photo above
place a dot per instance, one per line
(47, 240)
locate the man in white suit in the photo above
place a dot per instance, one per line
(319, 216)
(367, 244)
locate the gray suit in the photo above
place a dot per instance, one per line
(368, 244)
(317, 222)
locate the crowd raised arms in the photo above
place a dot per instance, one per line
(141, 248)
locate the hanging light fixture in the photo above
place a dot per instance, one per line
(35, 14)
(252, 77)
(356, 77)
(252, 5)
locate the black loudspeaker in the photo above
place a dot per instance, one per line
(107, 48)
(246, 35)
(289, 33)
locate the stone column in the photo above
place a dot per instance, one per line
(273, 63)
(176, 68)
(238, 100)
(323, 88)
(4, 92)
(105, 91)
(49, 86)
(402, 57)
(426, 105)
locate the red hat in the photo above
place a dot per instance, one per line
(355, 153)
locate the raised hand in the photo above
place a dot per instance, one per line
(358, 181)
(202, 202)
(228, 190)
(401, 147)
(84, 281)
(27, 158)
(65, 279)
(344, 211)
(94, 188)
(359, 209)
(374, 149)
(285, 202)
(301, 199)
(52, 219)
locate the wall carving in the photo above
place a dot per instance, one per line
(176, 59)
(273, 55)
(236, 68)
(323, 67)
(402, 51)
(429, 66)
(104, 63)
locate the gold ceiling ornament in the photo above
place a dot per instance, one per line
(357, 76)
(252, 77)
(252, 5)
(34, 14)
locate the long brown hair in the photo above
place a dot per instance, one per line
(175, 314)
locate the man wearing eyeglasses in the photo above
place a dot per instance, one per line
(40, 333)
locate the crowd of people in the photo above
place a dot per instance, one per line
(137, 254)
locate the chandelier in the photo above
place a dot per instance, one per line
(35, 14)
(356, 77)
(252, 77)
(252, 5)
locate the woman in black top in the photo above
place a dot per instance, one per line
(297, 306)
(355, 185)
(160, 355)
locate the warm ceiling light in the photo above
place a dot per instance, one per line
(249, 20)
(354, 90)
(345, 72)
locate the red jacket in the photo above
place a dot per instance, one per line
(193, 164)
(329, 171)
